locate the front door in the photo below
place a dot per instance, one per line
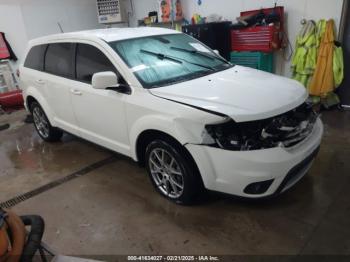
(100, 113)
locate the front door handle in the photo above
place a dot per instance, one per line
(76, 92)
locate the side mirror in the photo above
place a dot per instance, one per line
(104, 80)
(216, 52)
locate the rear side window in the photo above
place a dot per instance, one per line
(58, 60)
(91, 60)
(35, 58)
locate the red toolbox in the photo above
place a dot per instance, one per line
(12, 99)
(259, 38)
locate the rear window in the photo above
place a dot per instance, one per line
(58, 60)
(35, 58)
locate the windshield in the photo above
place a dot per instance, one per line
(167, 59)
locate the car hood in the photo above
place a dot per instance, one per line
(242, 93)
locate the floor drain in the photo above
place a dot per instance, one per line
(23, 197)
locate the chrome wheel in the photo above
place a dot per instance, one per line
(166, 173)
(41, 122)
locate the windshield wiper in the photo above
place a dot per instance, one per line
(161, 56)
(175, 59)
(200, 53)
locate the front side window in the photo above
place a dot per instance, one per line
(58, 59)
(167, 59)
(35, 57)
(90, 60)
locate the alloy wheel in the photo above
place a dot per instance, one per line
(166, 173)
(41, 122)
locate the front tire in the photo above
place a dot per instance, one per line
(173, 175)
(42, 125)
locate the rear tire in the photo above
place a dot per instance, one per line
(42, 124)
(173, 175)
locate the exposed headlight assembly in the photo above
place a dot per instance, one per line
(225, 135)
(285, 130)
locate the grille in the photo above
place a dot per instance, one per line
(291, 128)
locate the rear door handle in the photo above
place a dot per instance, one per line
(40, 81)
(76, 92)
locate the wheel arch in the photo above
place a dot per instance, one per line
(149, 135)
(32, 95)
(29, 101)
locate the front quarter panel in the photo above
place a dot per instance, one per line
(147, 112)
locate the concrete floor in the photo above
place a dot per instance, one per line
(113, 209)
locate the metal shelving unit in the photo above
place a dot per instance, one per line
(8, 81)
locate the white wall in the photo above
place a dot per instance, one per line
(22, 20)
(230, 9)
(41, 16)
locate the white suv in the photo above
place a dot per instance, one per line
(174, 105)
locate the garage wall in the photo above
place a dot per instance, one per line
(23, 20)
(41, 16)
(230, 9)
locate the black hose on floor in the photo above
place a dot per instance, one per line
(4, 127)
(33, 243)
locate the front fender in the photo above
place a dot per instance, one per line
(160, 123)
(33, 92)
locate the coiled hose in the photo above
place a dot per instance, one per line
(37, 227)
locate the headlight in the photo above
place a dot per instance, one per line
(225, 135)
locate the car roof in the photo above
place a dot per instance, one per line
(108, 34)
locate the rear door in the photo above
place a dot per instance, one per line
(100, 113)
(32, 74)
(59, 71)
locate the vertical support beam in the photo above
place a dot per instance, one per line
(343, 21)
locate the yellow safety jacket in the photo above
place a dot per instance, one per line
(304, 59)
(338, 66)
(316, 58)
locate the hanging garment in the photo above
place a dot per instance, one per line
(304, 59)
(322, 82)
(320, 30)
(338, 66)
(6, 51)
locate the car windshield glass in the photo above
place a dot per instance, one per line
(167, 59)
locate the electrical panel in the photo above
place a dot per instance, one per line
(110, 11)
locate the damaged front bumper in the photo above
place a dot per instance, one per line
(233, 172)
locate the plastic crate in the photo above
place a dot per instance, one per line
(257, 60)
(259, 38)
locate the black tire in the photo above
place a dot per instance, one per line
(51, 133)
(192, 184)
